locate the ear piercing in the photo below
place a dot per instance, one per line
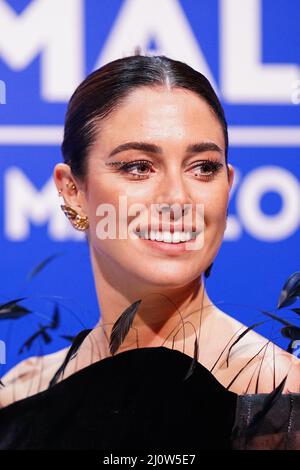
(72, 187)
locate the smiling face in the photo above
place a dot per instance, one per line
(168, 125)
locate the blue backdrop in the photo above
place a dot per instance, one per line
(250, 50)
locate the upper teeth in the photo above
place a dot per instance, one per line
(166, 236)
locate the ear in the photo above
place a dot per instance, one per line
(70, 188)
(230, 175)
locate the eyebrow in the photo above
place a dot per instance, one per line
(155, 149)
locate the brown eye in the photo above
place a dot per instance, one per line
(208, 168)
(142, 166)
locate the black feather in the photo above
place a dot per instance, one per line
(122, 326)
(268, 403)
(245, 366)
(250, 328)
(194, 361)
(70, 355)
(290, 291)
(11, 310)
(42, 331)
(275, 317)
(55, 319)
(291, 332)
(41, 266)
(46, 337)
(28, 343)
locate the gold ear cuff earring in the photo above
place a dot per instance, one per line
(78, 221)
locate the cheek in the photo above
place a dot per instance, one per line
(100, 192)
(215, 213)
(113, 216)
(215, 206)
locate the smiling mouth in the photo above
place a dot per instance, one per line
(166, 237)
(168, 247)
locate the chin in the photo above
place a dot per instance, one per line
(167, 280)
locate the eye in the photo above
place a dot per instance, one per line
(208, 168)
(141, 168)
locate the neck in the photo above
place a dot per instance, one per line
(159, 312)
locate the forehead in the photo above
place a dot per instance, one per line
(167, 117)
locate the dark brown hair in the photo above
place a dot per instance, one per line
(104, 89)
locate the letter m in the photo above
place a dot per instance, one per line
(53, 29)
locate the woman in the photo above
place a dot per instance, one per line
(150, 133)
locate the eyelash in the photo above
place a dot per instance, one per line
(125, 167)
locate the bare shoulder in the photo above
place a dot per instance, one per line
(30, 376)
(254, 364)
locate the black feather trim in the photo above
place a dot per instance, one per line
(290, 291)
(121, 327)
(250, 328)
(11, 309)
(268, 403)
(71, 353)
(194, 361)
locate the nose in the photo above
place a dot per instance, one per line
(174, 191)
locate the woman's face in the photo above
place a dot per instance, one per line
(172, 121)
